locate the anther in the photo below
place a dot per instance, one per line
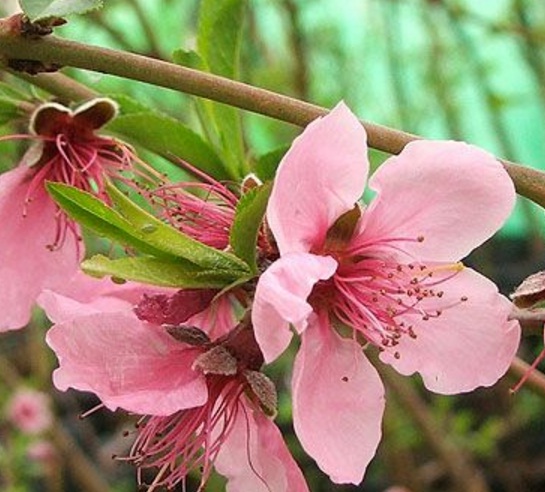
(420, 239)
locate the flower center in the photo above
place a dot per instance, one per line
(382, 297)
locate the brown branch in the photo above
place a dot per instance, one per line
(52, 50)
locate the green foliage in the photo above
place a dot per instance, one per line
(190, 59)
(218, 51)
(9, 110)
(90, 212)
(266, 164)
(133, 226)
(248, 218)
(177, 273)
(42, 9)
(171, 241)
(169, 137)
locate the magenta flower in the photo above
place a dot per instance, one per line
(194, 379)
(39, 243)
(387, 275)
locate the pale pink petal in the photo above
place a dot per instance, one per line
(126, 363)
(255, 458)
(321, 177)
(86, 295)
(338, 403)
(453, 195)
(217, 320)
(281, 299)
(26, 264)
(469, 345)
(85, 288)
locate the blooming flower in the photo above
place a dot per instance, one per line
(64, 149)
(385, 275)
(194, 379)
(29, 410)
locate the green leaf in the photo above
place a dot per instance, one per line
(169, 137)
(190, 59)
(266, 164)
(9, 110)
(42, 9)
(127, 104)
(6, 90)
(92, 213)
(248, 218)
(133, 226)
(177, 273)
(218, 44)
(171, 241)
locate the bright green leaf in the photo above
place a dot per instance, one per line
(169, 137)
(171, 241)
(42, 9)
(127, 104)
(218, 45)
(92, 213)
(248, 218)
(177, 273)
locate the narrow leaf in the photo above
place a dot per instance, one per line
(171, 241)
(92, 213)
(218, 44)
(248, 218)
(177, 273)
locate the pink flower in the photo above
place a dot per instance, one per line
(42, 452)
(39, 243)
(386, 275)
(29, 411)
(194, 378)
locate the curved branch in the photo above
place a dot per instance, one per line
(52, 50)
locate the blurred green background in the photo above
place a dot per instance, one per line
(450, 69)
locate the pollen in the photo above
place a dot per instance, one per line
(385, 299)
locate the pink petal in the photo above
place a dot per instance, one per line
(281, 299)
(338, 402)
(255, 458)
(321, 177)
(126, 363)
(86, 295)
(469, 345)
(26, 265)
(453, 195)
(217, 320)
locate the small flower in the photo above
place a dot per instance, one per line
(42, 452)
(386, 275)
(29, 410)
(39, 243)
(194, 378)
